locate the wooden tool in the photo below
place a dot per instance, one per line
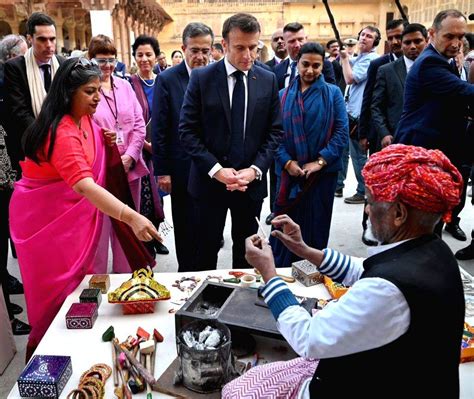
(286, 279)
(157, 337)
(147, 348)
(109, 336)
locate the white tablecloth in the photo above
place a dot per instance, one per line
(86, 347)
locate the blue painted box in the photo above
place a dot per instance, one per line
(45, 376)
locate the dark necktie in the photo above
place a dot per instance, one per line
(293, 72)
(454, 67)
(236, 155)
(47, 76)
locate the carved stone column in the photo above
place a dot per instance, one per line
(125, 56)
(59, 34)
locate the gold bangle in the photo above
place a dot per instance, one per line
(78, 393)
(121, 212)
(287, 164)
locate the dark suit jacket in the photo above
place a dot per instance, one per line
(435, 107)
(262, 65)
(18, 105)
(169, 157)
(205, 127)
(366, 129)
(271, 63)
(387, 99)
(282, 67)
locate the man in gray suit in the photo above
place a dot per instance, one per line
(387, 98)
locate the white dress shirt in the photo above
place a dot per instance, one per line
(408, 63)
(288, 72)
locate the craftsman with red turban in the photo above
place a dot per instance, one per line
(397, 331)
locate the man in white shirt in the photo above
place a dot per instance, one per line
(382, 324)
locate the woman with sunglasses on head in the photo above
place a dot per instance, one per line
(145, 50)
(56, 212)
(120, 112)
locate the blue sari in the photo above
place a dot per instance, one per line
(315, 125)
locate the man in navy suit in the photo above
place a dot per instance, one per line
(436, 102)
(230, 126)
(286, 70)
(171, 162)
(279, 48)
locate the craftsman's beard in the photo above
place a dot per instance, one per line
(382, 234)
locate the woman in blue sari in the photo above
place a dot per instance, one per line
(309, 158)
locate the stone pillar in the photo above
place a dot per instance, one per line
(72, 35)
(123, 37)
(82, 36)
(59, 34)
(116, 30)
(15, 27)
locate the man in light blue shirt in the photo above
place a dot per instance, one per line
(355, 75)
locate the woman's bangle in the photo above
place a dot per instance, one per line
(287, 164)
(121, 212)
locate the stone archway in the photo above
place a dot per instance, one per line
(5, 28)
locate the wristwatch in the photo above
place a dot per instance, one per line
(258, 174)
(321, 162)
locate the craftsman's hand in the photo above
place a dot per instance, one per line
(110, 137)
(311, 167)
(294, 169)
(289, 233)
(141, 226)
(386, 141)
(164, 183)
(127, 162)
(364, 144)
(258, 254)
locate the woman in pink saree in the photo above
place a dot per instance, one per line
(57, 207)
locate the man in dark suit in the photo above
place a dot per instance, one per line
(286, 71)
(171, 162)
(436, 102)
(230, 125)
(278, 47)
(22, 104)
(387, 99)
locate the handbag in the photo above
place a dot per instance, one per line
(7, 174)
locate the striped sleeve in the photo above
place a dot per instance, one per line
(278, 296)
(337, 266)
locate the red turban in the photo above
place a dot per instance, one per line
(421, 178)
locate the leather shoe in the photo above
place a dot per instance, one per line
(367, 241)
(466, 253)
(161, 249)
(456, 231)
(13, 286)
(15, 309)
(20, 328)
(269, 219)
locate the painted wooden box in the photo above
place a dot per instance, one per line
(45, 376)
(101, 281)
(91, 295)
(306, 273)
(81, 316)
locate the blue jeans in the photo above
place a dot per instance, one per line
(359, 158)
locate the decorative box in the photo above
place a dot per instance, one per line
(467, 344)
(306, 273)
(101, 281)
(45, 376)
(92, 295)
(138, 307)
(81, 316)
(335, 289)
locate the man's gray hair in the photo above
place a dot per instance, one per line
(10, 47)
(442, 15)
(195, 29)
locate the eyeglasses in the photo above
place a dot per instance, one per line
(104, 61)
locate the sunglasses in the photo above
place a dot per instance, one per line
(86, 63)
(105, 61)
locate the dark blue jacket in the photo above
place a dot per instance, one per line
(282, 68)
(435, 107)
(205, 127)
(169, 157)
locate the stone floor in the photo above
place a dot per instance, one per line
(345, 236)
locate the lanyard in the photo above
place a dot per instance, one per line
(115, 102)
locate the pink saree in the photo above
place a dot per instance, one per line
(56, 233)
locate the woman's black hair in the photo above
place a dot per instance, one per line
(72, 74)
(144, 39)
(311, 48)
(176, 51)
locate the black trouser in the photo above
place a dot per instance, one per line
(212, 213)
(5, 196)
